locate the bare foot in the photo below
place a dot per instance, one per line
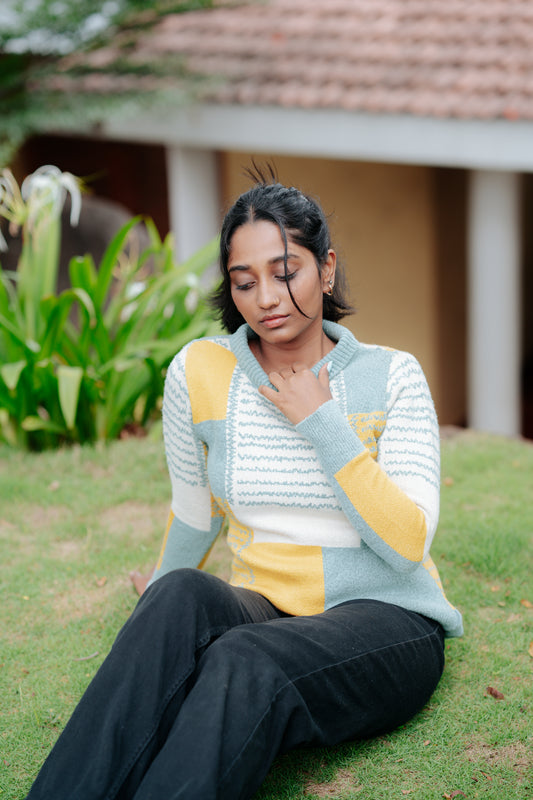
(139, 581)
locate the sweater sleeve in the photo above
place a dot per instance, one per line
(194, 519)
(393, 502)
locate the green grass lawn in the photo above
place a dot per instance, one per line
(74, 523)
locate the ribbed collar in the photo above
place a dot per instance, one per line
(345, 348)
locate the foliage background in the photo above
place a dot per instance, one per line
(82, 364)
(35, 40)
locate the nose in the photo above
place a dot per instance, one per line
(267, 295)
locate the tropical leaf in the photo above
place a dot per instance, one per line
(11, 373)
(68, 384)
(92, 358)
(27, 343)
(34, 423)
(109, 260)
(83, 273)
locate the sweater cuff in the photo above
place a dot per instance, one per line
(328, 430)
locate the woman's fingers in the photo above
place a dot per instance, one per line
(287, 372)
(297, 391)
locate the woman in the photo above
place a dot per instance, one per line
(321, 454)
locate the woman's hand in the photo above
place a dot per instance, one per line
(299, 392)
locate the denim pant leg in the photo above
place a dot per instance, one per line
(124, 716)
(355, 671)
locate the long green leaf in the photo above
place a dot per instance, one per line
(11, 373)
(83, 273)
(7, 429)
(5, 286)
(38, 265)
(29, 343)
(109, 260)
(33, 423)
(112, 353)
(9, 300)
(130, 328)
(101, 341)
(147, 316)
(168, 281)
(161, 351)
(57, 313)
(69, 382)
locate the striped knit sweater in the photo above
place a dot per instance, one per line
(343, 505)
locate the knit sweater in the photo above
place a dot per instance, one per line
(343, 505)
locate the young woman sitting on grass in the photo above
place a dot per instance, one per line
(322, 454)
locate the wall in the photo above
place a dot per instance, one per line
(133, 175)
(384, 230)
(399, 230)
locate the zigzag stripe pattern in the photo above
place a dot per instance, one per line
(270, 478)
(239, 538)
(408, 403)
(369, 428)
(262, 450)
(183, 450)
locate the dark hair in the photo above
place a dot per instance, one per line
(300, 219)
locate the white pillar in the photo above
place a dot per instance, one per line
(494, 328)
(194, 198)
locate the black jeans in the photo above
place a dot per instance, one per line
(206, 684)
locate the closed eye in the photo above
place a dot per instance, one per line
(289, 276)
(242, 287)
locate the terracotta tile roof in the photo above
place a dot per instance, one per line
(459, 58)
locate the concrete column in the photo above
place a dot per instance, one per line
(494, 329)
(194, 203)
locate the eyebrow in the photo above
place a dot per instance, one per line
(238, 267)
(271, 262)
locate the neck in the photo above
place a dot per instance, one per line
(273, 357)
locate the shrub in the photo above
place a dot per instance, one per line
(85, 364)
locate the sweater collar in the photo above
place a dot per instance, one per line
(345, 347)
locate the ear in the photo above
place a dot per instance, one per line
(328, 272)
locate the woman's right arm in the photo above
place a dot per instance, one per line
(193, 522)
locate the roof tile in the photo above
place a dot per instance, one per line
(443, 58)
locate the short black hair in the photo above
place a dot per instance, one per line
(300, 219)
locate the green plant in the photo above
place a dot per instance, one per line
(83, 364)
(46, 49)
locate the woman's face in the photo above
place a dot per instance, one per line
(259, 288)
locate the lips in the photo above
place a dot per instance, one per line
(274, 321)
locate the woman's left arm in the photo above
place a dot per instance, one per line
(393, 502)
